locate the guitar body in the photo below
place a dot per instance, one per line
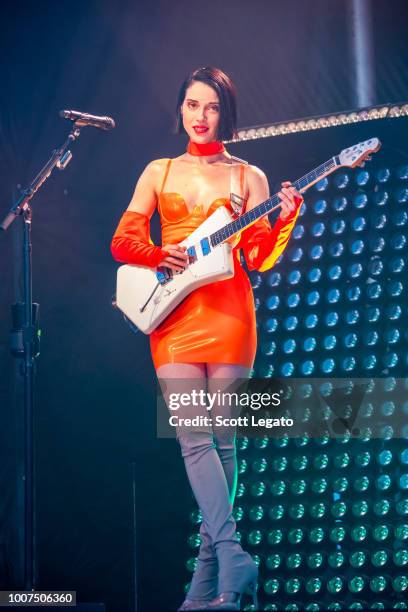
(146, 298)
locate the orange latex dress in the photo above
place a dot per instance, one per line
(215, 323)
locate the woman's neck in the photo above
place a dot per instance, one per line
(206, 153)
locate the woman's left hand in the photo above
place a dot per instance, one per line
(291, 199)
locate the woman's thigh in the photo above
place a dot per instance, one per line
(181, 371)
(224, 380)
(184, 388)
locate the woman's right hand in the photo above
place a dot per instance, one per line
(176, 257)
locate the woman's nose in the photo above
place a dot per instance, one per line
(201, 113)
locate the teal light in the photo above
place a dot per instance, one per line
(381, 533)
(360, 508)
(318, 510)
(357, 559)
(350, 340)
(255, 537)
(279, 464)
(353, 294)
(333, 296)
(307, 367)
(382, 175)
(309, 344)
(273, 561)
(341, 180)
(371, 338)
(320, 206)
(316, 252)
(359, 224)
(258, 489)
(340, 204)
(287, 369)
(291, 323)
(274, 279)
(359, 533)
(331, 319)
(360, 200)
(328, 365)
(289, 346)
(311, 321)
(372, 314)
(256, 513)
(339, 509)
(379, 558)
(272, 302)
(318, 229)
(275, 536)
(336, 559)
(335, 585)
(294, 561)
(314, 275)
(315, 560)
(276, 512)
(294, 277)
(337, 226)
(296, 255)
(293, 300)
(334, 272)
(381, 507)
(271, 586)
(271, 325)
(278, 487)
(355, 270)
(312, 298)
(357, 247)
(260, 466)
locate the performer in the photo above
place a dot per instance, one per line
(209, 340)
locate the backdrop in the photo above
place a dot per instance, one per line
(95, 380)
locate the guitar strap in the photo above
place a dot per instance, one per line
(237, 195)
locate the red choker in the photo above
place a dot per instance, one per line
(206, 148)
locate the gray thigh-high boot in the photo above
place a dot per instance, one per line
(203, 586)
(228, 455)
(208, 482)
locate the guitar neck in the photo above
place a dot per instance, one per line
(273, 202)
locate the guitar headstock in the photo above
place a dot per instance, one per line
(357, 155)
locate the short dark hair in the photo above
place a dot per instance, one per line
(227, 94)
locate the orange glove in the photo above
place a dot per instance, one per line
(263, 244)
(132, 244)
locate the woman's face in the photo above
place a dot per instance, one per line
(201, 112)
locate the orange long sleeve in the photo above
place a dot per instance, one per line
(262, 244)
(131, 242)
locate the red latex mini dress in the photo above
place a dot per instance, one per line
(215, 323)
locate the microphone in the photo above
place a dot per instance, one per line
(82, 119)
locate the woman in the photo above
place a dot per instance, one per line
(209, 340)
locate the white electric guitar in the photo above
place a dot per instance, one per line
(147, 296)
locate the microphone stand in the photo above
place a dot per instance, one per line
(25, 341)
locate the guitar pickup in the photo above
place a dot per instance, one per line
(192, 254)
(164, 275)
(205, 246)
